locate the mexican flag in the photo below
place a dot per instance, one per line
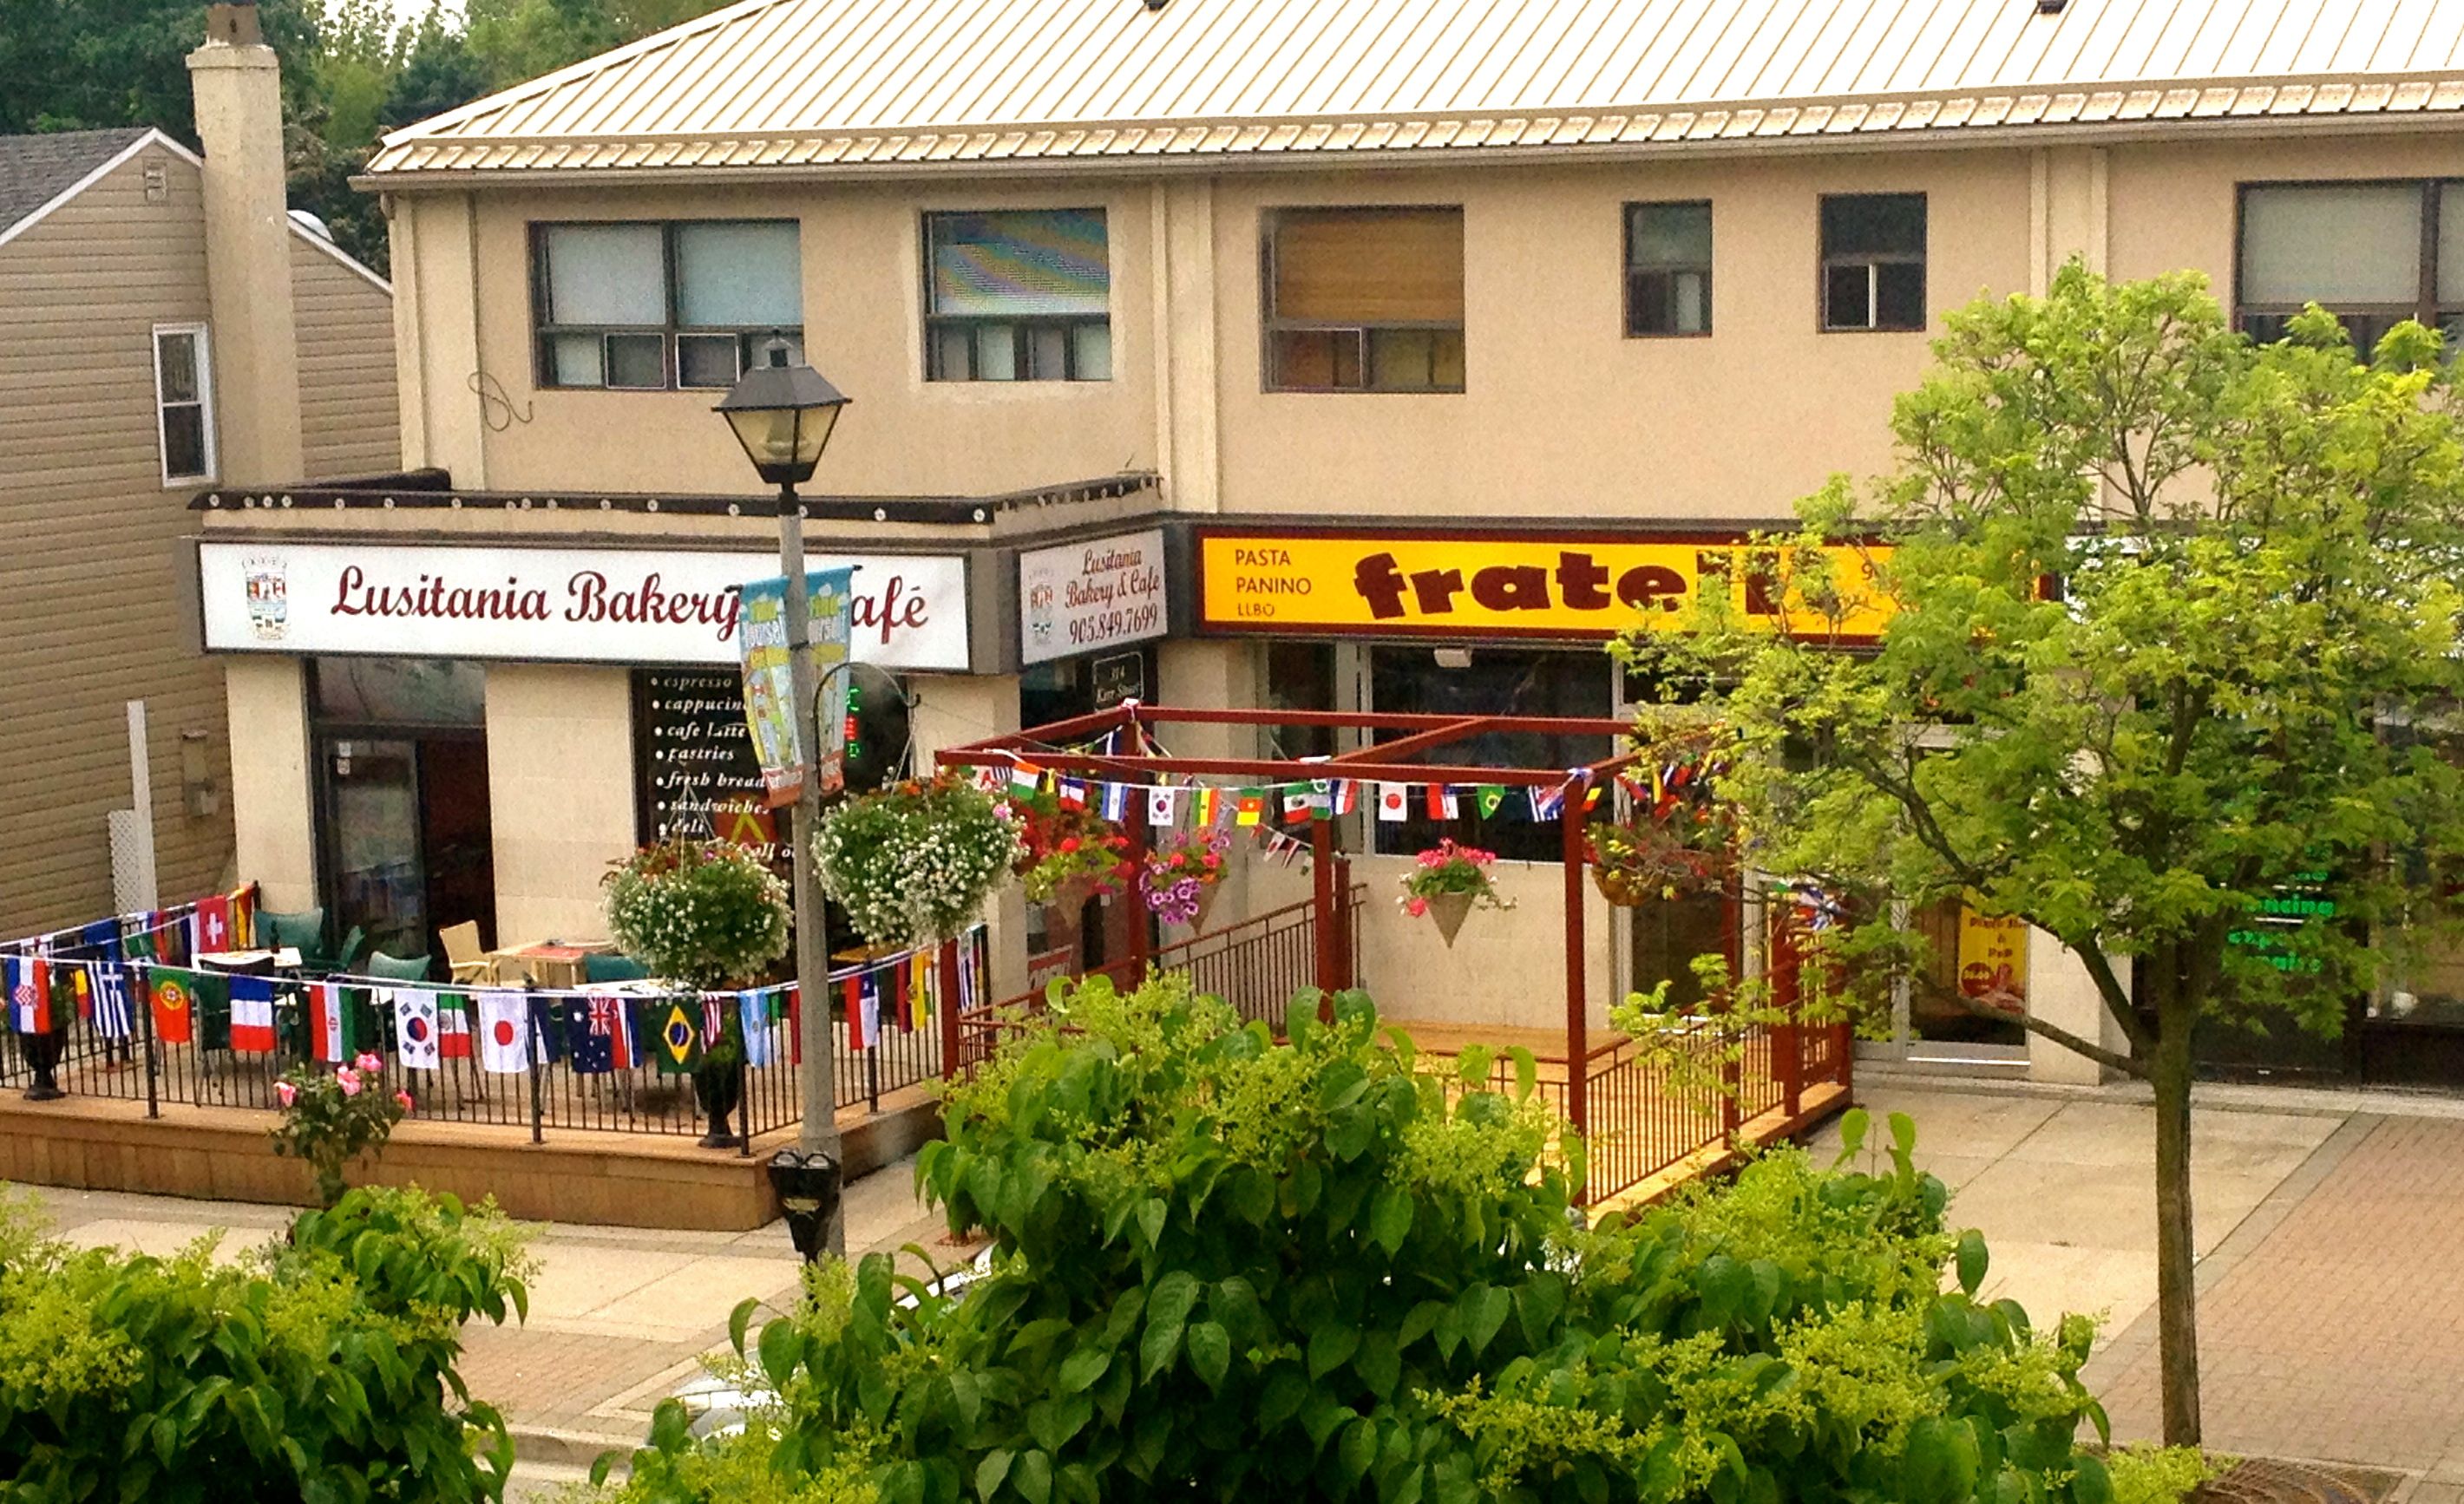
(453, 1026)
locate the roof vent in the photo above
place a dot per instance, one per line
(1157, 5)
(2051, 7)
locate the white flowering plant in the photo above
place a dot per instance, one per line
(698, 912)
(914, 863)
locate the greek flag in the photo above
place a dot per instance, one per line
(112, 1018)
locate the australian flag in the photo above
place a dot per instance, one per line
(599, 1032)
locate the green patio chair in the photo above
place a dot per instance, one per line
(596, 967)
(302, 930)
(397, 968)
(349, 955)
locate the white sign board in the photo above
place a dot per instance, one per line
(554, 604)
(1084, 595)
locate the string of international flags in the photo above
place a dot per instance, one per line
(100, 975)
(1210, 807)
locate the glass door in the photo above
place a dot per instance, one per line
(375, 881)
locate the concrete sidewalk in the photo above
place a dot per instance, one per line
(2330, 1233)
(619, 1317)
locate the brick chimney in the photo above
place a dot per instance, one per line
(237, 84)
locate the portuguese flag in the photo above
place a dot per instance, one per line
(174, 1011)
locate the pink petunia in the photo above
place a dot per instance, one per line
(349, 1081)
(285, 1093)
(369, 1064)
(1417, 908)
(403, 1100)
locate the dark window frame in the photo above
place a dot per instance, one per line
(1021, 326)
(749, 338)
(1630, 271)
(2356, 316)
(201, 373)
(1826, 260)
(1272, 326)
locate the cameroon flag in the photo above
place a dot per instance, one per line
(676, 1033)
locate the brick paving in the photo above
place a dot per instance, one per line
(2338, 1333)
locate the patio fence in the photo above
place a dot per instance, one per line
(550, 1095)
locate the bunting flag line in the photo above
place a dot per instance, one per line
(251, 1014)
(504, 1032)
(1394, 802)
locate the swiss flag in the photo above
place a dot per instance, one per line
(213, 922)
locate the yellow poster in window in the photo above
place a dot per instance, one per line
(1993, 959)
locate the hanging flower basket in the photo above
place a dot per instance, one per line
(1067, 852)
(1181, 875)
(1685, 848)
(1448, 882)
(913, 863)
(698, 912)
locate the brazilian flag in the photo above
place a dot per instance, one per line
(674, 1034)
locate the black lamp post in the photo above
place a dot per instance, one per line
(782, 414)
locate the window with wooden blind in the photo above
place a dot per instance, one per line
(1365, 299)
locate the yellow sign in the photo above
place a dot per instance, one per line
(1499, 586)
(1993, 959)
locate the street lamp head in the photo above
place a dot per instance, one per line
(782, 415)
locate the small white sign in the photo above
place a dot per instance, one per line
(554, 604)
(1079, 596)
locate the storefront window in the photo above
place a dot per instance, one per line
(1491, 680)
(399, 691)
(1300, 676)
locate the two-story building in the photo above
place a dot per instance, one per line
(164, 324)
(1422, 340)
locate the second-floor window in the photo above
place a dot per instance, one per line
(1874, 261)
(1018, 295)
(183, 402)
(1668, 269)
(2359, 250)
(650, 307)
(1365, 299)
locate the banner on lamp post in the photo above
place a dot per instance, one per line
(770, 684)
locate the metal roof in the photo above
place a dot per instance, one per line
(828, 84)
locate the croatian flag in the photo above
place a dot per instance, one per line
(29, 994)
(251, 1014)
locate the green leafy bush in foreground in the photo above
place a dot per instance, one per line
(320, 1369)
(1234, 1269)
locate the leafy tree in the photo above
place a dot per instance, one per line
(92, 64)
(320, 1368)
(1229, 1268)
(2175, 656)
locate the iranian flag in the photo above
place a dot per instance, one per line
(328, 1036)
(452, 1026)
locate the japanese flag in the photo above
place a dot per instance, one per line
(414, 1026)
(504, 1033)
(1393, 802)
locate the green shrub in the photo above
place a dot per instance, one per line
(1228, 1268)
(2158, 1474)
(318, 1369)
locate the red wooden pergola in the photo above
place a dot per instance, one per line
(1063, 747)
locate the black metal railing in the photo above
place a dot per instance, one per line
(104, 1053)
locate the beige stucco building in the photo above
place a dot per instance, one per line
(1275, 291)
(165, 325)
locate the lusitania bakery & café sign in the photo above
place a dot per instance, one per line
(1490, 585)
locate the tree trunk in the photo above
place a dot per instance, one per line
(2177, 1297)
